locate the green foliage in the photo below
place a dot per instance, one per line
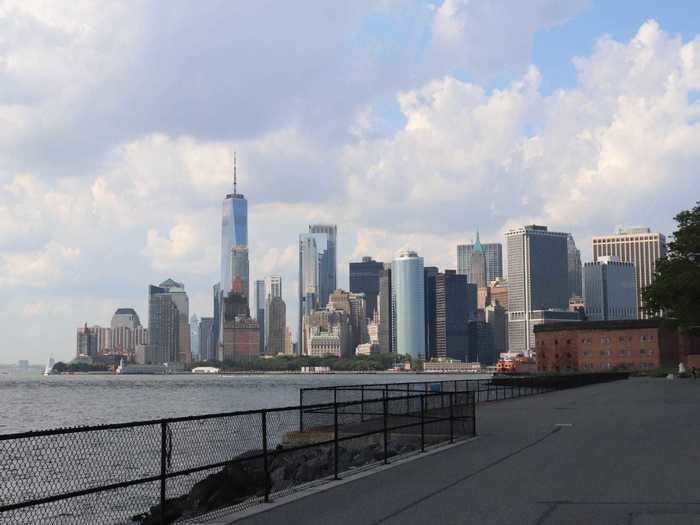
(63, 368)
(676, 288)
(286, 363)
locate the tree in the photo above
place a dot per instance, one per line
(676, 286)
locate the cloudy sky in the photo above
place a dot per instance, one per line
(408, 123)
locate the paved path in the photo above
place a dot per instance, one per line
(629, 454)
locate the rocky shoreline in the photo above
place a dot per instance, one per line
(244, 478)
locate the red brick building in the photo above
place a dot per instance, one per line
(604, 345)
(241, 339)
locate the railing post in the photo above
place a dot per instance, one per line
(422, 423)
(386, 429)
(266, 465)
(301, 410)
(163, 444)
(336, 447)
(452, 417)
(362, 404)
(408, 400)
(473, 416)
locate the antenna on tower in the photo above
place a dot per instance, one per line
(234, 174)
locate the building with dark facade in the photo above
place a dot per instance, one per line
(482, 348)
(168, 322)
(538, 279)
(385, 311)
(574, 268)
(276, 326)
(452, 315)
(430, 297)
(364, 278)
(207, 339)
(241, 339)
(260, 300)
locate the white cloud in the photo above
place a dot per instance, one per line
(99, 199)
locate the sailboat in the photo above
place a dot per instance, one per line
(48, 371)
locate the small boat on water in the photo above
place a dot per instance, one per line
(49, 371)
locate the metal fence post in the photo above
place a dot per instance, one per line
(163, 444)
(452, 417)
(422, 423)
(473, 400)
(336, 447)
(386, 429)
(265, 462)
(362, 403)
(408, 400)
(301, 410)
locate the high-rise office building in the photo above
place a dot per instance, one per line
(639, 246)
(493, 253)
(408, 289)
(260, 314)
(327, 260)
(317, 268)
(168, 322)
(537, 280)
(478, 271)
(207, 341)
(497, 317)
(574, 266)
(274, 286)
(451, 316)
(610, 289)
(364, 278)
(276, 325)
(430, 301)
(218, 319)
(234, 237)
(125, 331)
(87, 342)
(194, 337)
(385, 311)
(353, 304)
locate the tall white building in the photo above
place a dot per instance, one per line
(609, 289)
(639, 246)
(538, 280)
(408, 302)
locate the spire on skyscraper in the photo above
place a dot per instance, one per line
(234, 173)
(477, 245)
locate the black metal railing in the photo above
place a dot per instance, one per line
(190, 468)
(496, 388)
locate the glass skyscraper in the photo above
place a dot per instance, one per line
(364, 278)
(234, 247)
(408, 289)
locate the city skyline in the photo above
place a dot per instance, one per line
(95, 206)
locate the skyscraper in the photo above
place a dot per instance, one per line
(451, 316)
(408, 290)
(207, 343)
(317, 268)
(385, 311)
(276, 325)
(364, 278)
(260, 300)
(234, 237)
(274, 287)
(478, 271)
(430, 300)
(234, 231)
(639, 246)
(610, 289)
(537, 280)
(493, 253)
(168, 322)
(194, 337)
(574, 266)
(327, 263)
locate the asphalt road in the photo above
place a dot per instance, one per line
(618, 453)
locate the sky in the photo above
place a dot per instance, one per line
(408, 123)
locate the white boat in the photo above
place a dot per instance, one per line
(49, 371)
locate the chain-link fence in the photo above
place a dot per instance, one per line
(192, 469)
(485, 390)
